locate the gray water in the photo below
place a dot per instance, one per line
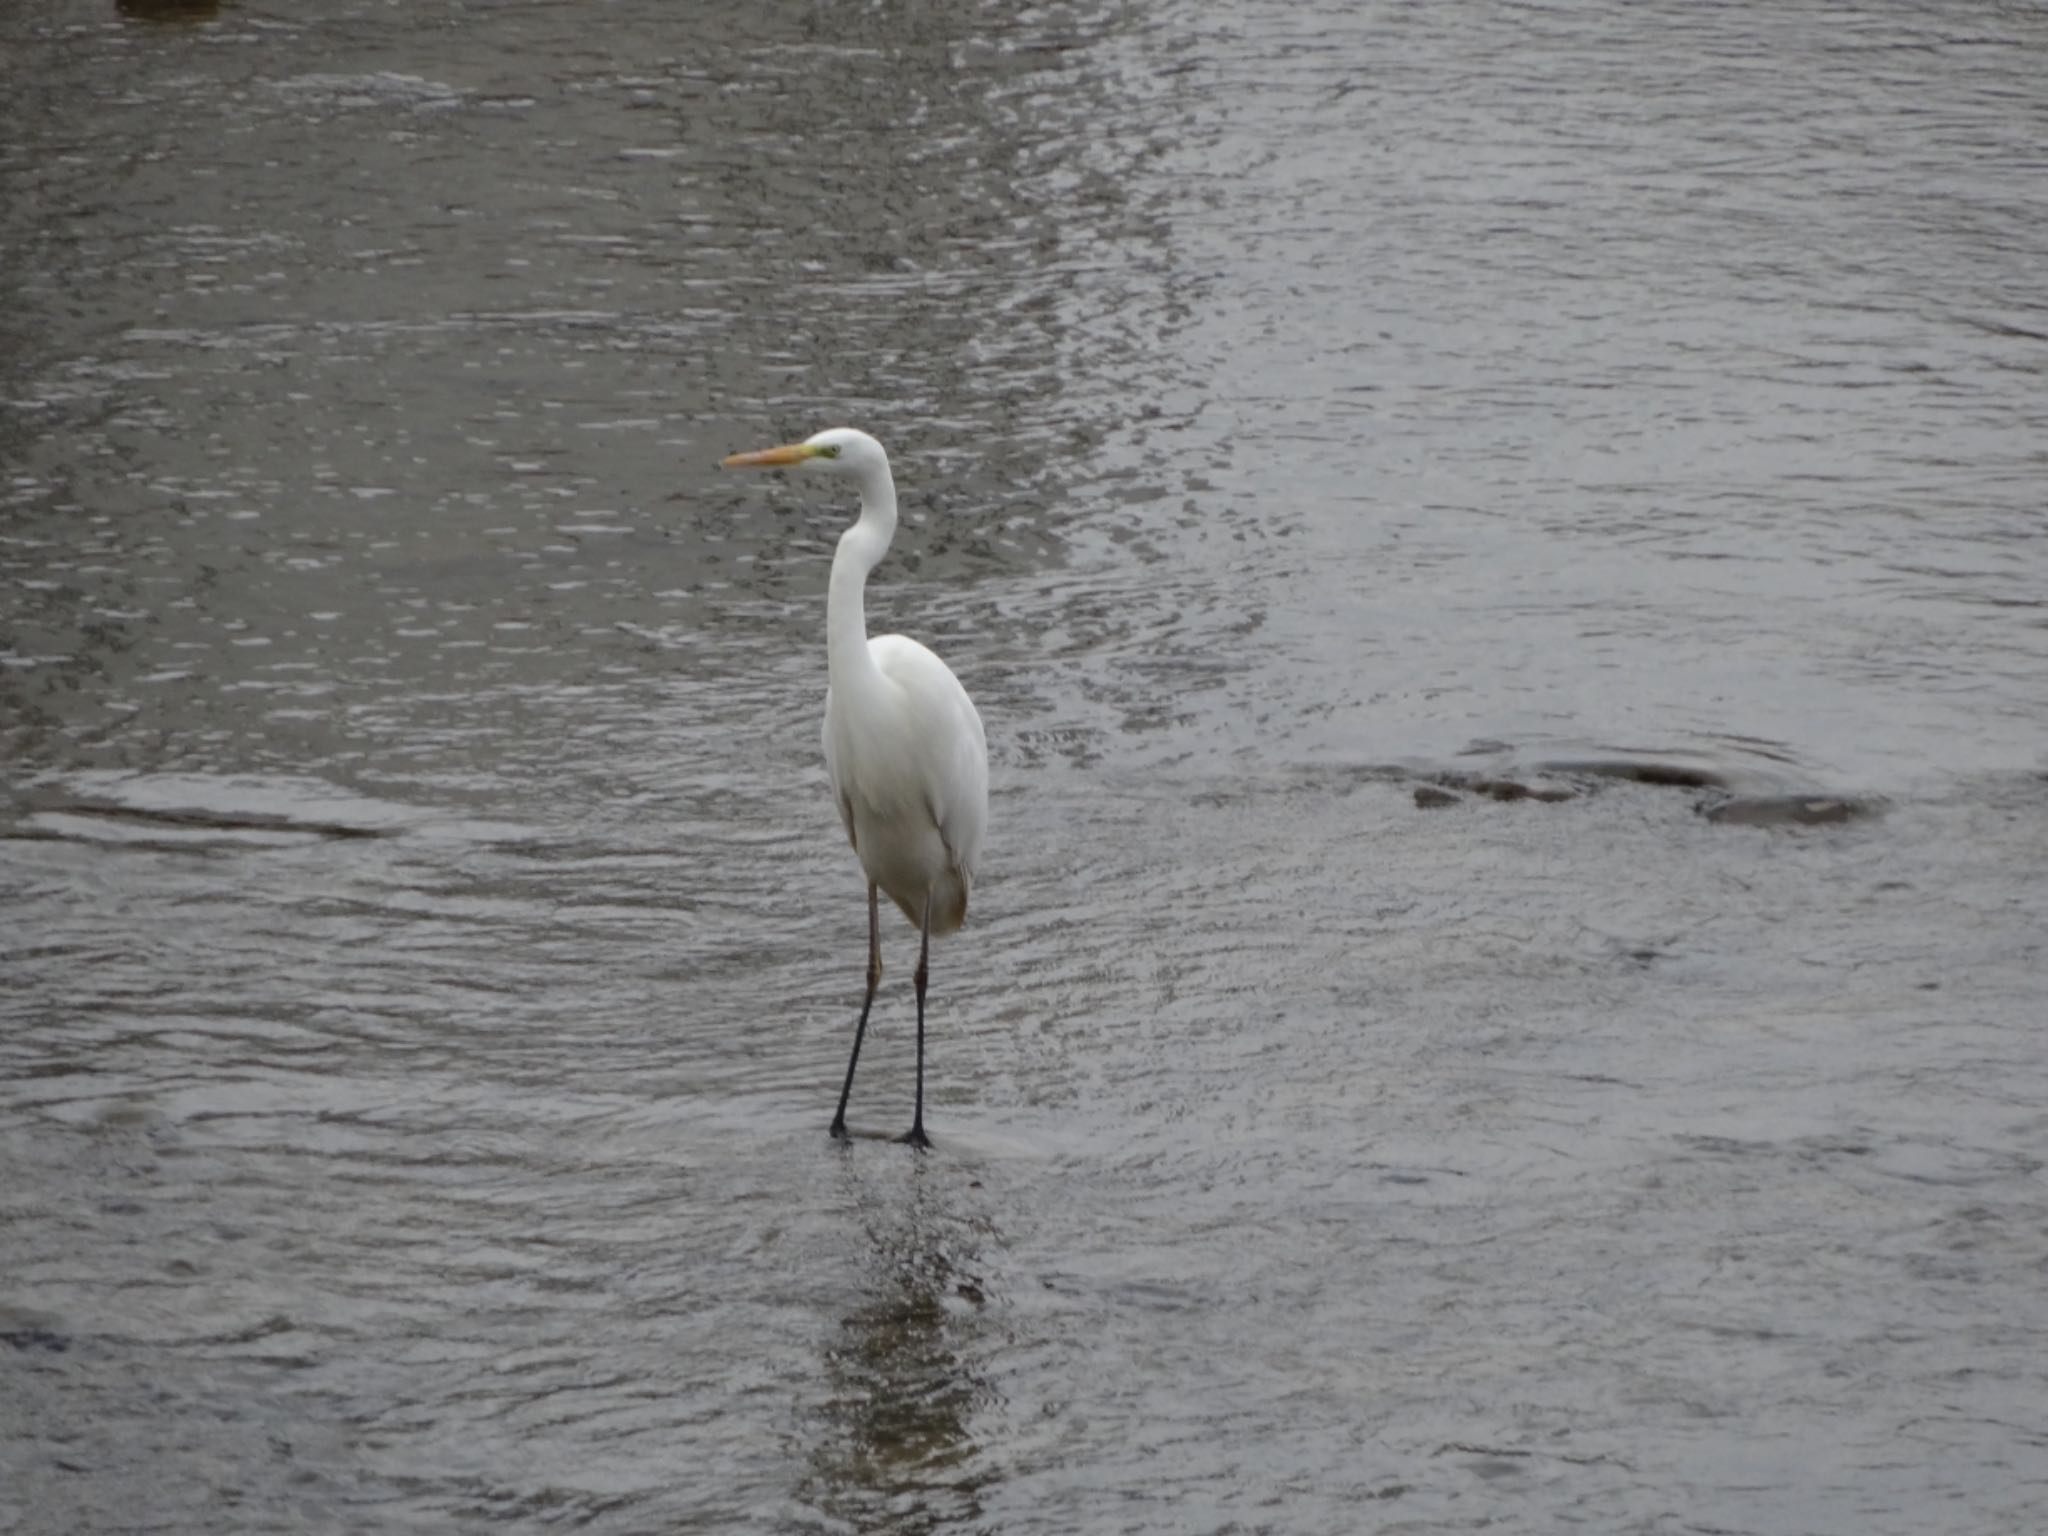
(1501, 551)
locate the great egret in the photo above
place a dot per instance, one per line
(903, 743)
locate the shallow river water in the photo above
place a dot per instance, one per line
(1501, 549)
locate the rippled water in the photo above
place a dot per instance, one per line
(1501, 549)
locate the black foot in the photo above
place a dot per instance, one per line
(839, 1131)
(915, 1137)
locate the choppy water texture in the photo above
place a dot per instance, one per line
(1501, 549)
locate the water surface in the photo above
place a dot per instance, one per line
(1500, 551)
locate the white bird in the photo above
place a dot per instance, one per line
(903, 743)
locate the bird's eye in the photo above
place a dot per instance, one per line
(829, 451)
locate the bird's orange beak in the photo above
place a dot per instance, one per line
(772, 458)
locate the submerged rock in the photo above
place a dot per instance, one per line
(1587, 778)
(1515, 789)
(1676, 775)
(1790, 810)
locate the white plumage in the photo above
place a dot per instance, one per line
(909, 771)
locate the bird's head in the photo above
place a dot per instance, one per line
(844, 450)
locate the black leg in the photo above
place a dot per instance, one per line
(917, 1137)
(861, 1029)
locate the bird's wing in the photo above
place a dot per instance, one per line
(948, 744)
(832, 772)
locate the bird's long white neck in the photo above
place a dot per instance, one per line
(861, 549)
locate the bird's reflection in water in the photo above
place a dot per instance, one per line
(897, 1449)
